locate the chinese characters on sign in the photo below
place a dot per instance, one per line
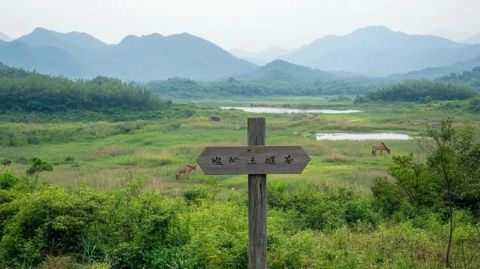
(235, 160)
(253, 160)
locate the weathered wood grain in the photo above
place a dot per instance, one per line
(238, 160)
(256, 160)
(257, 202)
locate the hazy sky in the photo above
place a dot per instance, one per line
(246, 24)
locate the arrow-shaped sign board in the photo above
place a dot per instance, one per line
(257, 161)
(253, 160)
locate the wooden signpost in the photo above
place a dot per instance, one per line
(256, 160)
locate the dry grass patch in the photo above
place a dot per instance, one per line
(337, 157)
(145, 158)
(110, 151)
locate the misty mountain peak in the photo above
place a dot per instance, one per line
(42, 37)
(4, 37)
(373, 29)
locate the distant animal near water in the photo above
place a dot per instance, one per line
(380, 147)
(187, 169)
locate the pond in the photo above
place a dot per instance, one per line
(290, 110)
(362, 136)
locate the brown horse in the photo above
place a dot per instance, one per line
(187, 169)
(380, 147)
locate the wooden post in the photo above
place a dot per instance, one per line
(256, 160)
(257, 202)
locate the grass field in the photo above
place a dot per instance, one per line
(107, 155)
(325, 217)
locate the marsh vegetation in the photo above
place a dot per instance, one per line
(94, 189)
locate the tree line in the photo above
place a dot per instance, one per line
(470, 78)
(421, 91)
(186, 88)
(30, 91)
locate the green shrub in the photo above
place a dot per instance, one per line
(475, 105)
(38, 165)
(194, 195)
(322, 207)
(7, 180)
(49, 222)
(387, 197)
(6, 162)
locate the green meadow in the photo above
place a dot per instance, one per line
(123, 172)
(107, 155)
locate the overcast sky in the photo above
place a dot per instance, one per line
(245, 24)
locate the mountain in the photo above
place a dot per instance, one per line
(475, 39)
(451, 34)
(279, 70)
(4, 37)
(261, 57)
(143, 58)
(73, 41)
(49, 60)
(182, 55)
(436, 72)
(378, 51)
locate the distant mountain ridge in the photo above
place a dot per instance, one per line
(143, 58)
(371, 51)
(5, 37)
(41, 37)
(282, 71)
(261, 57)
(436, 72)
(378, 51)
(475, 39)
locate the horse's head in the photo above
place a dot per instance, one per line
(386, 148)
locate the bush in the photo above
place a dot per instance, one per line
(38, 165)
(475, 105)
(322, 207)
(50, 222)
(194, 195)
(121, 227)
(7, 180)
(6, 162)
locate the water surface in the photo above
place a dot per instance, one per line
(290, 110)
(362, 136)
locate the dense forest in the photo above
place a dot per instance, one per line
(28, 91)
(422, 91)
(471, 78)
(185, 88)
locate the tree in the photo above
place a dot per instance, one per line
(455, 163)
(38, 165)
(448, 180)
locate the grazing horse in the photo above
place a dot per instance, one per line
(380, 147)
(187, 169)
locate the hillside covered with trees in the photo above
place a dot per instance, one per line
(422, 91)
(185, 88)
(28, 91)
(470, 78)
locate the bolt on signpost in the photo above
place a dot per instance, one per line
(256, 160)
